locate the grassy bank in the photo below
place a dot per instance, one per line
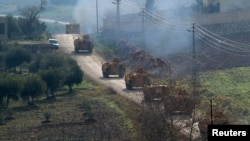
(229, 89)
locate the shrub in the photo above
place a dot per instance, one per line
(47, 116)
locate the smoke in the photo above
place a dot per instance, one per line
(233, 5)
(85, 10)
(86, 15)
(173, 4)
(150, 5)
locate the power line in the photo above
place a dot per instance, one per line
(218, 42)
(205, 35)
(219, 47)
(220, 37)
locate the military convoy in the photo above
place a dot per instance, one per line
(83, 44)
(137, 78)
(116, 67)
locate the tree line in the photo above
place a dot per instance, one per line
(38, 74)
(28, 25)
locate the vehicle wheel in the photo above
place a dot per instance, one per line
(121, 71)
(90, 49)
(129, 85)
(105, 75)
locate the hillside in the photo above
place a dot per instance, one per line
(57, 10)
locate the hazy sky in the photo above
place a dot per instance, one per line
(85, 11)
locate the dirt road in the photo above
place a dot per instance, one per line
(91, 65)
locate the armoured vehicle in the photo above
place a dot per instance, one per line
(72, 28)
(179, 101)
(137, 78)
(175, 100)
(155, 92)
(83, 44)
(116, 67)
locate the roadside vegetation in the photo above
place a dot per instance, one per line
(229, 90)
(89, 113)
(47, 96)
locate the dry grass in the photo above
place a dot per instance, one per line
(111, 118)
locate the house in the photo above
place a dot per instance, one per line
(212, 6)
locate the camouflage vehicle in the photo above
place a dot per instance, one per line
(137, 78)
(83, 44)
(116, 67)
(179, 101)
(155, 92)
(175, 100)
(72, 28)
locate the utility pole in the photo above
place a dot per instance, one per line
(117, 20)
(211, 114)
(194, 62)
(143, 29)
(194, 79)
(97, 22)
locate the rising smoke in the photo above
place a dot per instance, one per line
(85, 11)
(166, 42)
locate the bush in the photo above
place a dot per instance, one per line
(47, 116)
(10, 114)
(1, 119)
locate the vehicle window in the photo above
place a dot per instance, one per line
(52, 41)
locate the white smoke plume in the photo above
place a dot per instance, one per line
(85, 14)
(85, 11)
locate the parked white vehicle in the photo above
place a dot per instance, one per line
(54, 42)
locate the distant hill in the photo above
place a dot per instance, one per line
(27, 2)
(56, 9)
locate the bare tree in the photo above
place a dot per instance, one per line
(30, 15)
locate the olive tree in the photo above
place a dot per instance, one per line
(17, 56)
(10, 87)
(54, 78)
(34, 87)
(74, 74)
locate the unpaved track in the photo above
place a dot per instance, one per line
(91, 65)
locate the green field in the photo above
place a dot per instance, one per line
(61, 12)
(229, 89)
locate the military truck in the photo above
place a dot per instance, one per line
(176, 100)
(116, 67)
(155, 92)
(83, 44)
(179, 101)
(72, 28)
(137, 78)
